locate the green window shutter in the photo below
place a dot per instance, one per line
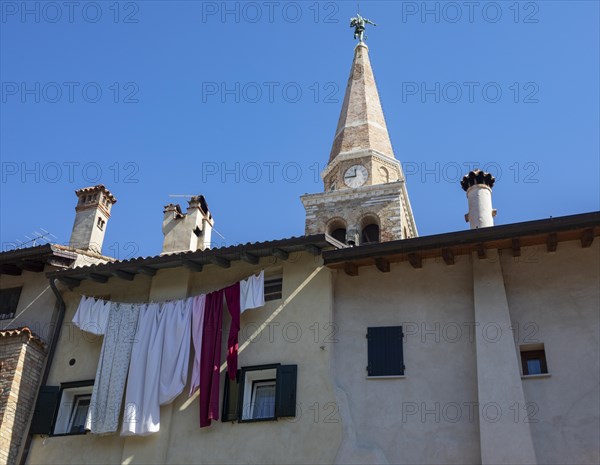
(45, 410)
(386, 356)
(230, 398)
(285, 405)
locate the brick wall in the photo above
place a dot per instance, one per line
(22, 357)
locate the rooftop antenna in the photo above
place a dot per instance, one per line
(39, 238)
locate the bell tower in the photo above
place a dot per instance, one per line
(365, 197)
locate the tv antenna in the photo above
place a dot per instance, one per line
(40, 237)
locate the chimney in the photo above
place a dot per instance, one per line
(190, 231)
(92, 213)
(478, 186)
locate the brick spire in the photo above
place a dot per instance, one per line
(361, 125)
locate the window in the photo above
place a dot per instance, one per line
(273, 287)
(9, 300)
(337, 228)
(370, 233)
(385, 352)
(533, 359)
(339, 235)
(260, 393)
(76, 424)
(62, 410)
(101, 223)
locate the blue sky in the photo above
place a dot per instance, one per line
(239, 101)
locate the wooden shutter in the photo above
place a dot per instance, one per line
(285, 405)
(45, 410)
(385, 351)
(230, 398)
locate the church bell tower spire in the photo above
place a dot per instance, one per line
(365, 197)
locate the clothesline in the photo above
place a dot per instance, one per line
(172, 300)
(155, 368)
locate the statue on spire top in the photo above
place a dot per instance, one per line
(359, 23)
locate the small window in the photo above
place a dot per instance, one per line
(81, 405)
(533, 359)
(260, 393)
(263, 399)
(385, 352)
(73, 407)
(100, 223)
(370, 233)
(9, 301)
(339, 235)
(273, 287)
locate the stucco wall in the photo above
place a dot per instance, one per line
(430, 303)
(554, 299)
(289, 339)
(36, 303)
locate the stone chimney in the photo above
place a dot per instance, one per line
(190, 231)
(92, 213)
(478, 186)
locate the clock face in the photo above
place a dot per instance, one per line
(356, 176)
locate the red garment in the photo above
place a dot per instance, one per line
(210, 358)
(232, 296)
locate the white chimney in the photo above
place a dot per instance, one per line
(478, 186)
(92, 213)
(190, 231)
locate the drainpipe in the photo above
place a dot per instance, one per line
(57, 327)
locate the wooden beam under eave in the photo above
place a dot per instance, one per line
(313, 249)
(70, 282)
(280, 253)
(415, 260)
(126, 275)
(11, 270)
(192, 265)
(448, 256)
(516, 247)
(99, 278)
(587, 238)
(481, 252)
(220, 261)
(382, 265)
(146, 270)
(34, 267)
(351, 269)
(249, 258)
(551, 242)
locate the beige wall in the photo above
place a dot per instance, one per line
(36, 304)
(428, 303)
(554, 299)
(312, 437)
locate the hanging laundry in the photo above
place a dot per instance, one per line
(176, 350)
(232, 296)
(252, 292)
(142, 408)
(107, 394)
(159, 364)
(210, 358)
(92, 315)
(197, 325)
